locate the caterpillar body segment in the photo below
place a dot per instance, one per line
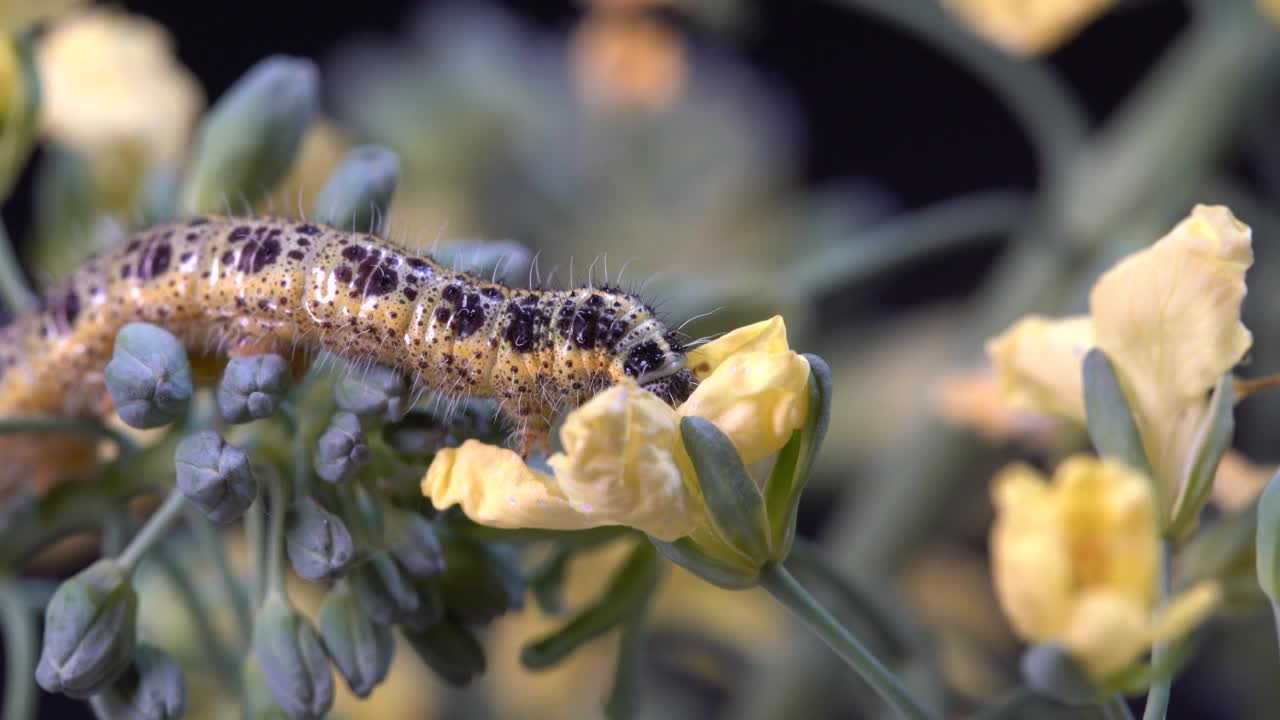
(246, 286)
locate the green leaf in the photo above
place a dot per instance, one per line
(1268, 542)
(791, 469)
(1111, 426)
(628, 593)
(734, 502)
(1213, 438)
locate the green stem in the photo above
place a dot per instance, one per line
(275, 533)
(1158, 695)
(1116, 708)
(211, 541)
(786, 590)
(72, 425)
(223, 660)
(155, 527)
(255, 528)
(15, 293)
(19, 652)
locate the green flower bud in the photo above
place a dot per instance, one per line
(430, 605)
(425, 431)
(358, 193)
(252, 387)
(153, 688)
(248, 140)
(258, 699)
(479, 582)
(293, 660)
(450, 649)
(317, 541)
(89, 631)
(504, 260)
(361, 648)
(376, 390)
(415, 544)
(1050, 670)
(383, 591)
(149, 376)
(341, 448)
(215, 476)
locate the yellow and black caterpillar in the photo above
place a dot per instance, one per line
(248, 286)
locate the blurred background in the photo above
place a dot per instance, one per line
(898, 186)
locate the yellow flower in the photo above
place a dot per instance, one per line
(1168, 319)
(1075, 562)
(623, 462)
(626, 61)
(1027, 27)
(114, 92)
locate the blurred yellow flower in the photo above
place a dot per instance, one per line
(623, 462)
(627, 61)
(1027, 27)
(21, 14)
(1075, 562)
(1168, 318)
(114, 92)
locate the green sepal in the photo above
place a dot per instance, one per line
(685, 553)
(794, 462)
(1212, 440)
(629, 590)
(734, 503)
(1111, 425)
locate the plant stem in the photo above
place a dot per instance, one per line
(1158, 695)
(1116, 708)
(75, 425)
(786, 590)
(19, 652)
(224, 662)
(275, 533)
(156, 526)
(211, 541)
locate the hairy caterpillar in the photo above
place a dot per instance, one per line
(246, 286)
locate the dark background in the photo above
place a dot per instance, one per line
(873, 104)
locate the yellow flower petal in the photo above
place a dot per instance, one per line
(1039, 363)
(1107, 631)
(757, 398)
(495, 487)
(1027, 27)
(1190, 608)
(1168, 318)
(767, 336)
(1030, 562)
(618, 462)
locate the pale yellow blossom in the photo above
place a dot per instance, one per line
(1027, 27)
(1075, 562)
(974, 399)
(1168, 319)
(623, 462)
(114, 92)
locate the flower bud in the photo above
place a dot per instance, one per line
(153, 688)
(1049, 669)
(383, 591)
(252, 387)
(340, 448)
(249, 139)
(415, 545)
(358, 193)
(317, 541)
(149, 376)
(376, 390)
(259, 702)
(89, 631)
(215, 476)
(293, 660)
(450, 649)
(479, 582)
(504, 260)
(361, 648)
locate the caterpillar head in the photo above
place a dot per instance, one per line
(658, 364)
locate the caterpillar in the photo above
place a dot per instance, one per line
(242, 286)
